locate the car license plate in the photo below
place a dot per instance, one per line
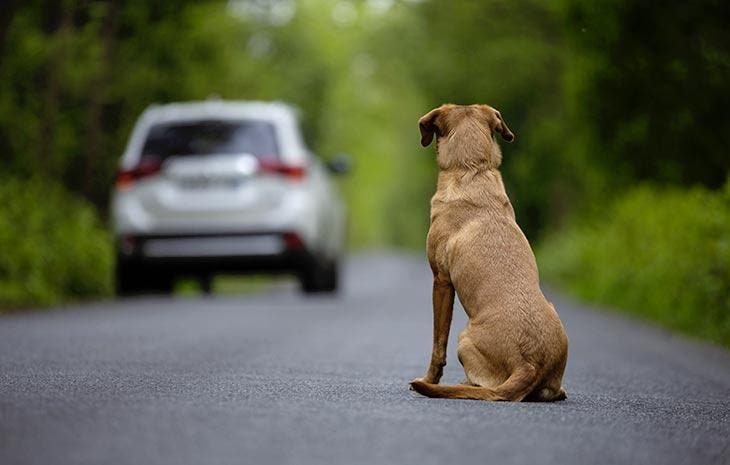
(205, 182)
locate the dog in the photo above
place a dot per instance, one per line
(514, 346)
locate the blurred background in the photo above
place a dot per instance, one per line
(620, 108)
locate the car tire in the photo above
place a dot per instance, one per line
(320, 276)
(134, 280)
(159, 283)
(126, 280)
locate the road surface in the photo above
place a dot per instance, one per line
(276, 378)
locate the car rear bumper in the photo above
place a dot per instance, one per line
(212, 253)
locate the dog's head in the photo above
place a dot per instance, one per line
(475, 125)
(440, 121)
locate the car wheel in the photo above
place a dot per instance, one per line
(320, 276)
(159, 283)
(134, 280)
(126, 280)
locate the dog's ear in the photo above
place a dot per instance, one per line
(429, 124)
(502, 128)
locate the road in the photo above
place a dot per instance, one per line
(276, 378)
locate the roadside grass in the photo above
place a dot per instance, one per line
(53, 247)
(662, 254)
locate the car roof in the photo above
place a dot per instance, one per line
(284, 116)
(218, 109)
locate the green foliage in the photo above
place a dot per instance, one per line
(647, 84)
(663, 254)
(53, 246)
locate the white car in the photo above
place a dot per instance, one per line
(224, 186)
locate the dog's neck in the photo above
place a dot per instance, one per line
(483, 189)
(468, 147)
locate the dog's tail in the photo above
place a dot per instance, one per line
(455, 392)
(515, 388)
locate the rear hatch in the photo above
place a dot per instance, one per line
(214, 170)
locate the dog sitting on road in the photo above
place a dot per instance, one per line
(514, 346)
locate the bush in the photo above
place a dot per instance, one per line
(52, 246)
(663, 254)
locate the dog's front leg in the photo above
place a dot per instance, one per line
(443, 309)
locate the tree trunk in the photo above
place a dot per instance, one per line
(56, 30)
(7, 11)
(95, 113)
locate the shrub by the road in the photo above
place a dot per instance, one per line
(53, 247)
(662, 254)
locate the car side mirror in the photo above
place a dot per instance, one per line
(340, 163)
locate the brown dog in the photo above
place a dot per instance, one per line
(514, 346)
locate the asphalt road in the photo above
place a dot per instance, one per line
(275, 378)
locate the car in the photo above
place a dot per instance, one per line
(224, 186)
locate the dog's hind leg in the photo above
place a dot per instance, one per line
(478, 369)
(547, 394)
(550, 388)
(482, 377)
(548, 391)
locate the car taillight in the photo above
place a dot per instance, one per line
(276, 167)
(127, 244)
(126, 178)
(292, 241)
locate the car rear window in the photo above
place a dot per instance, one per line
(211, 137)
